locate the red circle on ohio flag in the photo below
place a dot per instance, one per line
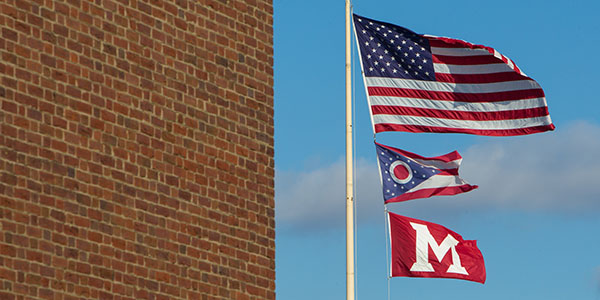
(400, 172)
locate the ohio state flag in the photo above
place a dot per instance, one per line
(424, 249)
(407, 176)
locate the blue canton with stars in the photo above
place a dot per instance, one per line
(388, 50)
(392, 188)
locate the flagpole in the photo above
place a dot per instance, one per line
(349, 169)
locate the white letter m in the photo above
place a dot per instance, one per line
(426, 240)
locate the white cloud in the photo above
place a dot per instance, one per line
(319, 196)
(597, 278)
(554, 172)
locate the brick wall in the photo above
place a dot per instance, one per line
(136, 149)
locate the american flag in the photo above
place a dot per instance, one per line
(407, 176)
(424, 83)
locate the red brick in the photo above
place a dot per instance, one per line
(10, 34)
(124, 143)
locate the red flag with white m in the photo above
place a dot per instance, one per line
(425, 249)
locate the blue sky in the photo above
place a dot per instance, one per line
(536, 214)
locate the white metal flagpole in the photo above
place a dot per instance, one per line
(349, 168)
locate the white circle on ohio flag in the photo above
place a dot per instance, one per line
(401, 172)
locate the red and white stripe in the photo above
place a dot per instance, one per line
(477, 91)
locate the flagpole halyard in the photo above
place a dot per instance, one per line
(388, 247)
